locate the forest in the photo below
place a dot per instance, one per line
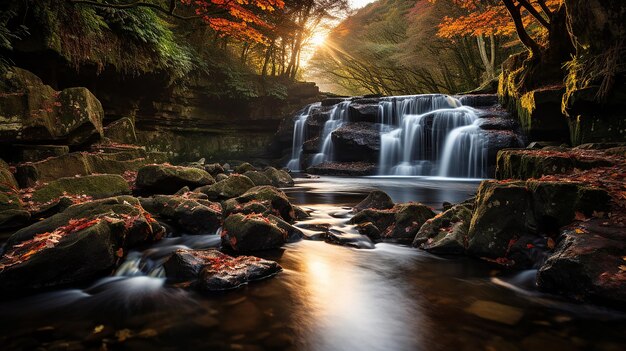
(313, 175)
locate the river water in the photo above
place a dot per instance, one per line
(328, 297)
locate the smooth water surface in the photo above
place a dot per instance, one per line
(328, 297)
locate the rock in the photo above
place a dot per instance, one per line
(253, 232)
(540, 117)
(94, 186)
(497, 123)
(356, 142)
(214, 169)
(279, 178)
(351, 240)
(244, 167)
(588, 264)
(446, 233)
(377, 200)
(511, 215)
(398, 224)
(370, 230)
(80, 163)
(83, 242)
(215, 271)
(34, 153)
(12, 211)
(168, 179)
(344, 169)
(121, 131)
(525, 163)
(191, 215)
(258, 178)
(478, 100)
(364, 111)
(233, 186)
(301, 213)
(270, 200)
(220, 177)
(31, 111)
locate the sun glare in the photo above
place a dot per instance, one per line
(318, 39)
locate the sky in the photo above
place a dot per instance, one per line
(355, 4)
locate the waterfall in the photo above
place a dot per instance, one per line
(299, 136)
(338, 116)
(420, 135)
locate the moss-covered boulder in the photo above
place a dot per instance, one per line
(588, 264)
(32, 111)
(233, 186)
(279, 177)
(262, 199)
(214, 169)
(191, 214)
(12, 211)
(258, 178)
(446, 233)
(398, 224)
(94, 186)
(210, 270)
(243, 168)
(377, 200)
(512, 217)
(253, 232)
(539, 114)
(84, 242)
(167, 179)
(121, 131)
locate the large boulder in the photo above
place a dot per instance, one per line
(262, 199)
(356, 142)
(512, 217)
(211, 270)
(32, 111)
(83, 242)
(539, 114)
(168, 179)
(588, 264)
(365, 110)
(233, 186)
(446, 233)
(121, 131)
(398, 224)
(253, 232)
(12, 211)
(258, 178)
(189, 212)
(244, 167)
(94, 186)
(376, 200)
(279, 177)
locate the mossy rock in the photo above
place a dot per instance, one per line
(244, 233)
(377, 200)
(121, 131)
(258, 178)
(521, 164)
(12, 211)
(6, 176)
(95, 186)
(539, 114)
(167, 179)
(408, 219)
(445, 233)
(244, 167)
(265, 199)
(192, 215)
(279, 178)
(233, 186)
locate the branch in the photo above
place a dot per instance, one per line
(545, 8)
(531, 9)
(528, 42)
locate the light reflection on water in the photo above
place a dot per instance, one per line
(328, 297)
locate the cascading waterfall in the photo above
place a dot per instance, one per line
(420, 135)
(299, 136)
(338, 116)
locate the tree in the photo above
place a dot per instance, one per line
(238, 18)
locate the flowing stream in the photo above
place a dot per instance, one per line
(328, 297)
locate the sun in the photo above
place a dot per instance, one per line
(318, 39)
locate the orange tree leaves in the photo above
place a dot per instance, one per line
(237, 18)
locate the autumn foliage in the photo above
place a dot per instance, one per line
(236, 18)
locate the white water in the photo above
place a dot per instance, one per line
(420, 135)
(338, 117)
(299, 136)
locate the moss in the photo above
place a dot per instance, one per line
(95, 186)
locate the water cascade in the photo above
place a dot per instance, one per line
(299, 136)
(338, 116)
(420, 135)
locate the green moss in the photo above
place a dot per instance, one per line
(96, 186)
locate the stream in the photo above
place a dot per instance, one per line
(328, 297)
